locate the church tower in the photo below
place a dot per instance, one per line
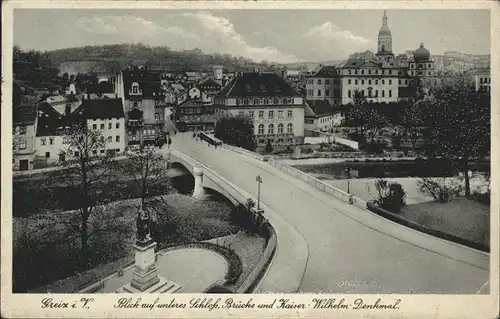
(384, 50)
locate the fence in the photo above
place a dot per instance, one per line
(320, 185)
(244, 151)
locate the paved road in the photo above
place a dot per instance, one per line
(346, 256)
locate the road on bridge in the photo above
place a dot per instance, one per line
(345, 255)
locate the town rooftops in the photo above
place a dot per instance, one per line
(209, 84)
(102, 109)
(479, 71)
(24, 114)
(257, 84)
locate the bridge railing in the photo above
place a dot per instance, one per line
(245, 152)
(318, 184)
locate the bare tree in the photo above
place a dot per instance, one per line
(148, 170)
(86, 175)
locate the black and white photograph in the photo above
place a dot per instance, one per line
(220, 151)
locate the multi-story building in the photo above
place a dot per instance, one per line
(24, 122)
(141, 92)
(324, 85)
(375, 79)
(276, 110)
(482, 79)
(107, 117)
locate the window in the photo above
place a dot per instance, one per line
(319, 81)
(245, 101)
(251, 114)
(383, 71)
(369, 82)
(383, 82)
(356, 81)
(118, 138)
(102, 151)
(157, 116)
(355, 71)
(266, 101)
(289, 128)
(280, 128)
(110, 125)
(327, 92)
(94, 126)
(376, 81)
(319, 92)
(135, 103)
(280, 114)
(43, 140)
(383, 93)
(118, 125)
(349, 93)
(362, 81)
(51, 141)
(370, 71)
(23, 130)
(290, 113)
(350, 72)
(376, 71)
(135, 88)
(256, 102)
(362, 71)
(261, 129)
(271, 114)
(261, 114)
(349, 81)
(399, 82)
(110, 139)
(22, 144)
(240, 113)
(94, 152)
(102, 126)
(77, 153)
(390, 82)
(275, 101)
(47, 154)
(270, 129)
(390, 93)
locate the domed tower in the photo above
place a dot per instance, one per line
(422, 64)
(384, 50)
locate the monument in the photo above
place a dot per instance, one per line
(146, 278)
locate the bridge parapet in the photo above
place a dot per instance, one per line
(318, 184)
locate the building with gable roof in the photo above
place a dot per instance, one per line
(325, 85)
(321, 116)
(275, 108)
(24, 122)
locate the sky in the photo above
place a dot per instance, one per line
(282, 36)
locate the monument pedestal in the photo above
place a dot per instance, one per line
(146, 278)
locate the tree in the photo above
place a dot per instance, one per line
(412, 119)
(375, 121)
(148, 171)
(237, 131)
(356, 114)
(391, 195)
(86, 178)
(459, 123)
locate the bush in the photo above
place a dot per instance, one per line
(391, 195)
(442, 189)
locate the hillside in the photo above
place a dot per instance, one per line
(111, 58)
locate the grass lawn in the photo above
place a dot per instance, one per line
(461, 217)
(45, 250)
(249, 248)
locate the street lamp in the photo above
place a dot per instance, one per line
(348, 170)
(258, 179)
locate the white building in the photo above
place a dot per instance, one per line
(320, 116)
(276, 110)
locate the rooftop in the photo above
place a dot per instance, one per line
(101, 88)
(101, 109)
(326, 72)
(318, 108)
(258, 84)
(149, 82)
(24, 114)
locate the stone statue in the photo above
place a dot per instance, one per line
(143, 234)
